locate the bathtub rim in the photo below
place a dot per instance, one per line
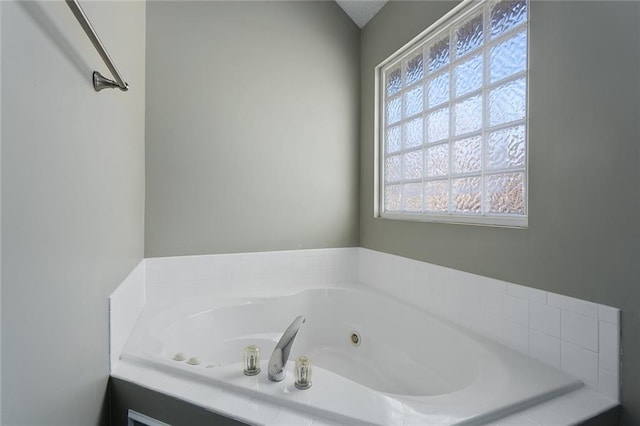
(232, 301)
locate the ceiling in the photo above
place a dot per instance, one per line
(361, 11)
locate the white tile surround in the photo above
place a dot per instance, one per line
(170, 279)
(577, 336)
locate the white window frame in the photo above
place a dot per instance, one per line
(463, 10)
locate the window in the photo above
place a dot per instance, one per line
(452, 119)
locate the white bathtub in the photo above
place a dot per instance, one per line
(410, 368)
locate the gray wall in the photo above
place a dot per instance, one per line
(252, 119)
(72, 204)
(583, 238)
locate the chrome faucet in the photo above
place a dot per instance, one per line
(280, 354)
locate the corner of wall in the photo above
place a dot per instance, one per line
(125, 306)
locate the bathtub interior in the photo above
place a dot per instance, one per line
(408, 363)
(410, 356)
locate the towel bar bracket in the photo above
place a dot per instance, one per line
(99, 81)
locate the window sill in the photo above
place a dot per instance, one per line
(497, 221)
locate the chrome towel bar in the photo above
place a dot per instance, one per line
(99, 81)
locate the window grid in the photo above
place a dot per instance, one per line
(452, 103)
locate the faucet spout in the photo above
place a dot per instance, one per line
(280, 354)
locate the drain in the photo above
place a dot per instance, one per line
(355, 338)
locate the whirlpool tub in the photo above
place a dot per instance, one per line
(407, 367)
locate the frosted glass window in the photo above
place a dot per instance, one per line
(392, 169)
(469, 35)
(508, 57)
(413, 101)
(413, 133)
(468, 115)
(438, 160)
(468, 75)
(467, 155)
(453, 119)
(506, 148)
(439, 54)
(394, 81)
(438, 125)
(437, 196)
(438, 90)
(412, 165)
(506, 192)
(393, 197)
(506, 15)
(467, 195)
(393, 139)
(508, 102)
(414, 69)
(412, 197)
(394, 110)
